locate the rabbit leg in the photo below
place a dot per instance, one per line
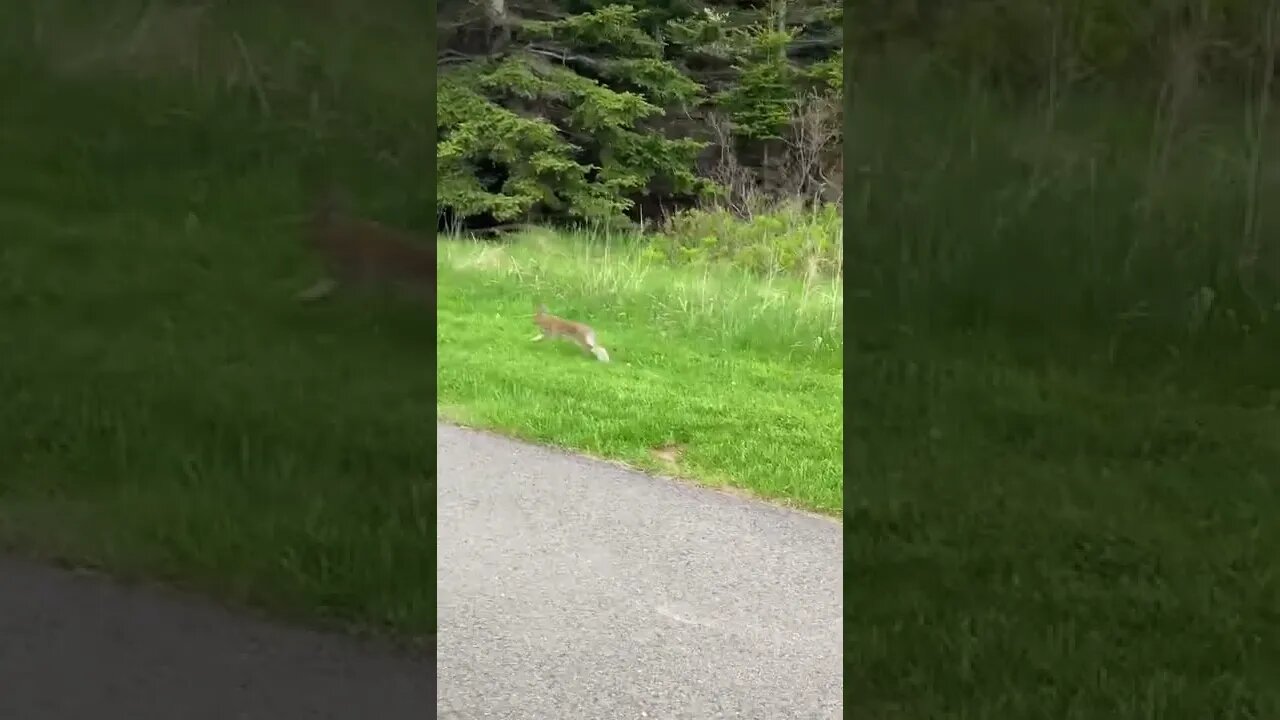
(321, 289)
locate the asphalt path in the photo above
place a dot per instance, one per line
(574, 589)
(568, 588)
(81, 647)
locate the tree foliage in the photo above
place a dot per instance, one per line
(577, 110)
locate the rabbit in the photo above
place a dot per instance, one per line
(358, 252)
(557, 327)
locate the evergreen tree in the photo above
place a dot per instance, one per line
(578, 111)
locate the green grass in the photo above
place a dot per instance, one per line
(742, 375)
(170, 412)
(1062, 487)
(967, 210)
(1051, 543)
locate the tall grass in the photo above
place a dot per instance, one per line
(1062, 428)
(1112, 228)
(716, 305)
(339, 92)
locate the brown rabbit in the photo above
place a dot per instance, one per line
(358, 252)
(557, 327)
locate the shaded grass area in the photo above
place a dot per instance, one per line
(714, 376)
(1046, 544)
(1063, 464)
(170, 411)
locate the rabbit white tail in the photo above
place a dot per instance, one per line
(598, 350)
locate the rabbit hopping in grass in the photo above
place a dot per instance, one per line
(358, 252)
(557, 327)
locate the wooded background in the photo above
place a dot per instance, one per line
(564, 111)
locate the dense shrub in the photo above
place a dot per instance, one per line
(792, 239)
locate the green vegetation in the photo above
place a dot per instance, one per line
(1063, 438)
(563, 112)
(716, 375)
(716, 127)
(170, 412)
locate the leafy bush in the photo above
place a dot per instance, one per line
(790, 239)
